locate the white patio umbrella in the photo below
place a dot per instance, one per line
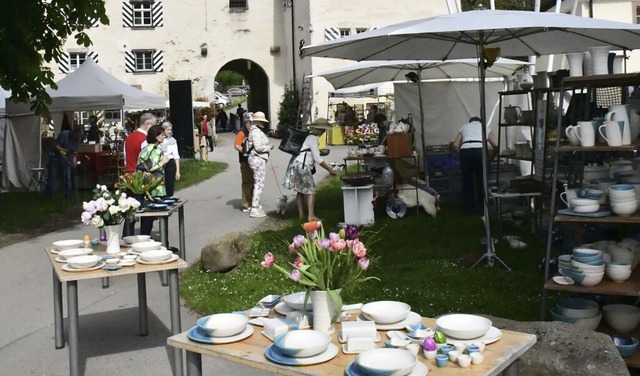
(470, 34)
(375, 71)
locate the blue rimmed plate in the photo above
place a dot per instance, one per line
(354, 370)
(276, 356)
(156, 207)
(195, 334)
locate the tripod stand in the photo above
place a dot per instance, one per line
(490, 251)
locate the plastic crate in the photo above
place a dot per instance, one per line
(437, 149)
(438, 163)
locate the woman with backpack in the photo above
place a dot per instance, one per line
(299, 175)
(259, 147)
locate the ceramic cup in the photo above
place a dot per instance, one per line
(413, 348)
(442, 360)
(445, 349)
(460, 347)
(464, 361)
(477, 358)
(472, 349)
(587, 133)
(612, 132)
(572, 135)
(568, 195)
(480, 345)
(430, 354)
(453, 355)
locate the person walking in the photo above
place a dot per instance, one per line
(246, 173)
(170, 149)
(204, 131)
(94, 134)
(468, 142)
(239, 117)
(260, 147)
(136, 140)
(222, 119)
(154, 160)
(299, 175)
(63, 158)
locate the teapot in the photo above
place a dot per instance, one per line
(511, 114)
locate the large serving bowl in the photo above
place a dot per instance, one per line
(73, 252)
(590, 279)
(463, 326)
(386, 311)
(386, 362)
(84, 262)
(296, 301)
(626, 346)
(590, 323)
(156, 255)
(621, 317)
(577, 308)
(136, 239)
(223, 324)
(621, 191)
(302, 343)
(618, 272)
(68, 244)
(624, 208)
(146, 246)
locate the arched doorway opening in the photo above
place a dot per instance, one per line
(257, 80)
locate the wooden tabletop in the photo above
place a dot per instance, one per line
(162, 213)
(65, 276)
(250, 352)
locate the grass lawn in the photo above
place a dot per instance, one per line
(417, 263)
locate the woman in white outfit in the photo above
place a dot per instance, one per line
(259, 147)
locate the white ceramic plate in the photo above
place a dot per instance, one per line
(412, 318)
(492, 335)
(127, 262)
(69, 268)
(134, 252)
(170, 259)
(196, 335)
(282, 308)
(275, 356)
(562, 280)
(419, 370)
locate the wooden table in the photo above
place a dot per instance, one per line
(501, 356)
(163, 216)
(72, 278)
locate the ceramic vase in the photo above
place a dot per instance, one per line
(575, 63)
(600, 59)
(113, 238)
(324, 309)
(587, 66)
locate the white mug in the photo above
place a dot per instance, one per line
(587, 134)
(568, 195)
(619, 113)
(572, 134)
(613, 132)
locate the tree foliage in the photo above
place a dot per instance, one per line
(227, 79)
(288, 111)
(33, 32)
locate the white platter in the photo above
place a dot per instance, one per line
(562, 280)
(69, 268)
(273, 355)
(127, 262)
(412, 318)
(170, 259)
(194, 334)
(282, 308)
(419, 370)
(492, 335)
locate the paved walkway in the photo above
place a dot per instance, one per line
(108, 317)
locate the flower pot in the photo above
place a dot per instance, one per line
(113, 238)
(324, 310)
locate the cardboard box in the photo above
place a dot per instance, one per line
(399, 145)
(89, 148)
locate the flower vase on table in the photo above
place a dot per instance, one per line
(325, 312)
(113, 238)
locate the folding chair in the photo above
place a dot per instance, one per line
(37, 175)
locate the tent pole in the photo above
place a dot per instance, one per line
(424, 146)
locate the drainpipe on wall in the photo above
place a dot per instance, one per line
(293, 45)
(590, 8)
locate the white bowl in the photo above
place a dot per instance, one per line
(136, 239)
(621, 317)
(621, 191)
(386, 311)
(84, 262)
(302, 343)
(68, 244)
(577, 308)
(386, 362)
(156, 255)
(617, 274)
(625, 208)
(296, 301)
(223, 324)
(73, 252)
(586, 208)
(463, 326)
(587, 268)
(583, 202)
(146, 246)
(591, 279)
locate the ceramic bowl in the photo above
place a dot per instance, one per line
(296, 301)
(223, 324)
(386, 311)
(586, 208)
(463, 326)
(621, 317)
(626, 345)
(577, 308)
(582, 202)
(302, 343)
(156, 255)
(586, 252)
(590, 323)
(625, 208)
(622, 191)
(386, 362)
(73, 252)
(136, 239)
(618, 274)
(84, 262)
(593, 261)
(588, 268)
(146, 246)
(68, 244)
(591, 279)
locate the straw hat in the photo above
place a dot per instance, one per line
(259, 116)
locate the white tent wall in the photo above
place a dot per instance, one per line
(20, 148)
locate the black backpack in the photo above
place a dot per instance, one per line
(292, 141)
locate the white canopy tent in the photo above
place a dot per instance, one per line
(88, 88)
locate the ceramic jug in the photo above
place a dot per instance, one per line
(525, 79)
(572, 134)
(619, 113)
(587, 133)
(511, 114)
(612, 132)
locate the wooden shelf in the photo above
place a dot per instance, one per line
(515, 125)
(603, 80)
(630, 287)
(614, 219)
(598, 148)
(521, 158)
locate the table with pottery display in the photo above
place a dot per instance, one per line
(163, 211)
(253, 348)
(126, 263)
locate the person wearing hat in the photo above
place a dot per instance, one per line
(299, 175)
(260, 147)
(245, 170)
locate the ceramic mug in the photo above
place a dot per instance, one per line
(572, 134)
(568, 195)
(619, 113)
(612, 132)
(587, 133)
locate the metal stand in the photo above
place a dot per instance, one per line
(490, 255)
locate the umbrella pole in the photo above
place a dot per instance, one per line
(424, 147)
(490, 252)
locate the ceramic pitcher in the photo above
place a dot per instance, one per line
(511, 114)
(612, 132)
(572, 134)
(587, 133)
(619, 113)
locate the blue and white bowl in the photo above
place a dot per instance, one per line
(223, 324)
(386, 362)
(302, 343)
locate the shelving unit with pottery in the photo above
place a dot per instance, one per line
(615, 89)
